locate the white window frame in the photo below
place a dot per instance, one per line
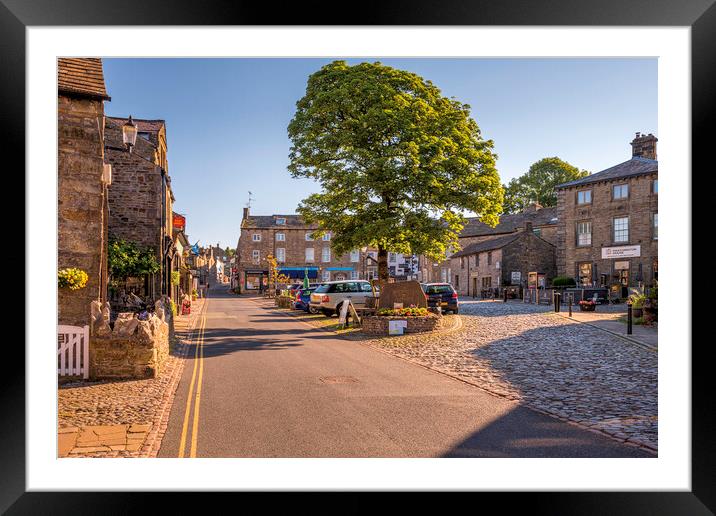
(655, 186)
(281, 254)
(326, 237)
(313, 254)
(256, 255)
(622, 188)
(354, 275)
(326, 275)
(624, 231)
(584, 239)
(326, 254)
(280, 237)
(280, 221)
(585, 193)
(355, 256)
(256, 237)
(392, 257)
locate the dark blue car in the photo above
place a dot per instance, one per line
(303, 296)
(442, 295)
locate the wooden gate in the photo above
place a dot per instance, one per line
(73, 351)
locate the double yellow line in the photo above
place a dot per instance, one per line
(198, 365)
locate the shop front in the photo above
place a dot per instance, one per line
(255, 279)
(298, 273)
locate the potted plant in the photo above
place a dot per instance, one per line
(650, 306)
(587, 305)
(637, 301)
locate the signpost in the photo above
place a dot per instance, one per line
(397, 327)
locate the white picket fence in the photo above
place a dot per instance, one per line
(73, 351)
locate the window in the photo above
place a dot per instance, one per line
(585, 274)
(280, 254)
(655, 186)
(309, 254)
(621, 229)
(354, 274)
(143, 135)
(477, 259)
(444, 275)
(365, 287)
(489, 258)
(584, 233)
(487, 281)
(620, 191)
(256, 237)
(656, 226)
(457, 281)
(281, 237)
(537, 232)
(462, 262)
(326, 254)
(326, 275)
(355, 255)
(584, 197)
(281, 221)
(309, 237)
(392, 257)
(326, 237)
(256, 255)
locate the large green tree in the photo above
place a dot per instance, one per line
(397, 161)
(537, 184)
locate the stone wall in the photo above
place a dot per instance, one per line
(131, 350)
(81, 204)
(528, 254)
(378, 325)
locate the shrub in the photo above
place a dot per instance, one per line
(176, 276)
(72, 278)
(637, 300)
(563, 281)
(403, 312)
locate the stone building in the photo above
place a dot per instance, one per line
(504, 260)
(543, 221)
(141, 198)
(82, 184)
(608, 222)
(290, 241)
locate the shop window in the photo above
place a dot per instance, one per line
(585, 274)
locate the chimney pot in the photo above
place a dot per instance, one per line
(644, 146)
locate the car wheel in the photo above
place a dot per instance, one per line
(326, 312)
(312, 310)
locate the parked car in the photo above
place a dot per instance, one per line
(442, 295)
(303, 298)
(329, 297)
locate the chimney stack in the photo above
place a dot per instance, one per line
(246, 213)
(644, 146)
(532, 207)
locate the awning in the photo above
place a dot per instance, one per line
(338, 269)
(299, 272)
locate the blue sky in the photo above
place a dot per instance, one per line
(227, 118)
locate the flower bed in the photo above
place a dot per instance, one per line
(378, 324)
(587, 306)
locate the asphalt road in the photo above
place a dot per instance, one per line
(269, 385)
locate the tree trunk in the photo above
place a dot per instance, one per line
(383, 264)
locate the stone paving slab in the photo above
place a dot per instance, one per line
(122, 418)
(573, 371)
(645, 335)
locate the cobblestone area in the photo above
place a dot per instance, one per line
(525, 353)
(127, 404)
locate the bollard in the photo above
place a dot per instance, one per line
(557, 296)
(571, 300)
(505, 294)
(629, 318)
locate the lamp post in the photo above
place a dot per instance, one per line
(129, 134)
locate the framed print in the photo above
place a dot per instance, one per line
(213, 187)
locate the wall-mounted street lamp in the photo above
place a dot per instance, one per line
(129, 134)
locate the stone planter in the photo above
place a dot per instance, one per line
(378, 325)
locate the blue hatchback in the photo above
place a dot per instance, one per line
(303, 296)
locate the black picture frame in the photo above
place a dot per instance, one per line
(700, 15)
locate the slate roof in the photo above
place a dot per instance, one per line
(510, 223)
(488, 245)
(148, 126)
(637, 166)
(269, 221)
(81, 76)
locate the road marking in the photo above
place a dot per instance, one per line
(197, 402)
(187, 412)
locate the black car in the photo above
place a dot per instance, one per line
(442, 295)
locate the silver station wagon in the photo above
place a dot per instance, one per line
(329, 297)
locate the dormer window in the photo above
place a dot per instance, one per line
(281, 221)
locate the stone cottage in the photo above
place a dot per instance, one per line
(503, 260)
(141, 198)
(82, 181)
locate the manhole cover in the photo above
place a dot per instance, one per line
(338, 379)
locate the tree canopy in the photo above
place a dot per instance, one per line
(537, 184)
(397, 161)
(127, 259)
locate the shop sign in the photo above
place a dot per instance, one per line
(624, 251)
(621, 266)
(179, 222)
